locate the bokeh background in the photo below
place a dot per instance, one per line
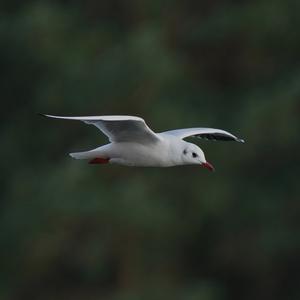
(70, 230)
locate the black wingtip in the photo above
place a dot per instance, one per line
(43, 115)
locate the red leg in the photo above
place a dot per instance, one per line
(99, 160)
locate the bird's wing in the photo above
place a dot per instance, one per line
(119, 128)
(204, 133)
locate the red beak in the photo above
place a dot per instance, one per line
(208, 166)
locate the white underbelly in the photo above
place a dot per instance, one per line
(131, 154)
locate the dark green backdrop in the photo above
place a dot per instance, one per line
(70, 230)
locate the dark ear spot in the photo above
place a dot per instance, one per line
(184, 151)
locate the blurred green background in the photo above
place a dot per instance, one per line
(70, 230)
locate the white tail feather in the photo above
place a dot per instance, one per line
(98, 152)
(82, 155)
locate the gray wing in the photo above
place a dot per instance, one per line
(119, 128)
(204, 133)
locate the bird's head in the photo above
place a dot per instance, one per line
(192, 154)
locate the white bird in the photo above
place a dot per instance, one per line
(133, 143)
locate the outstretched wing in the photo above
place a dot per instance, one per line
(204, 133)
(119, 128)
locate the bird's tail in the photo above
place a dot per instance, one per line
(91, 154)
(82, 155)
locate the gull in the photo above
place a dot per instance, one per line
(133, 143)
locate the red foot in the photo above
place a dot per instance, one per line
(99, 160)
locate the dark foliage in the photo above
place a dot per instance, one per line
(70, 230)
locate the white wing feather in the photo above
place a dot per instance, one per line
(118, 128)
(205, 133)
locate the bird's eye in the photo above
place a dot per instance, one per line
(194, 154)
(184, 151)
